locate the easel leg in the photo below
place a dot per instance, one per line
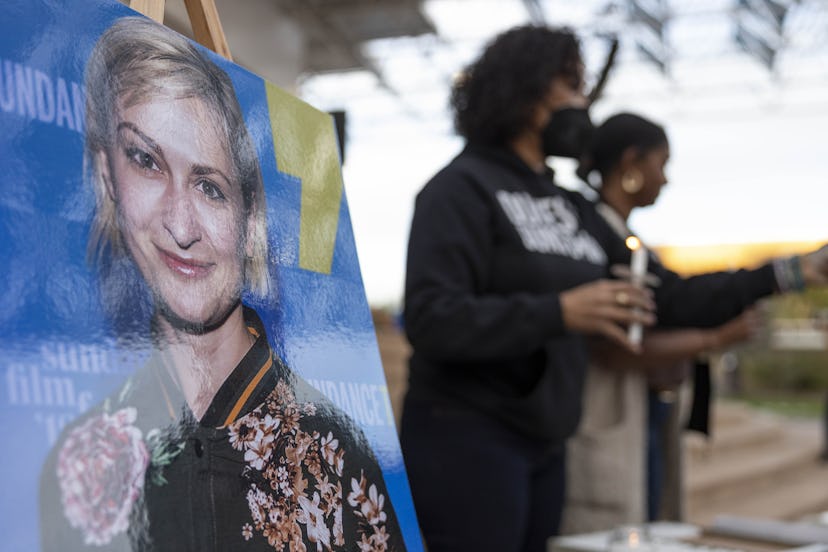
(207, 27)
(203, 18)
(154, 9)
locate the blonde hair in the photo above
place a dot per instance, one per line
(134, 60)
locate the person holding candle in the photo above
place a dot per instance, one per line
(630, 426)
(507, 274)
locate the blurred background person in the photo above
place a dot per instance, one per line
(507, 273)
(625, 460)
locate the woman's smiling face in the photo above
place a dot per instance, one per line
(180, 209)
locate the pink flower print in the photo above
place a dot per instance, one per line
(366, 544)
(295, 454)
(339, 462)
(372, 508)
(258, 453)
(313, 464)
(380, 537)
(283, 393)
(285, 481)
(290, 419)
(328, 448)
(314, 520)
(331, 494)
(100, 469)
(242, 433)
(357, 495)
(339, 535)
(259, 504)
(268, 429)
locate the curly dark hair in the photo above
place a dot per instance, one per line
(494, 98)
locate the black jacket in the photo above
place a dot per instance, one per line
(492, 245)
(272, 465)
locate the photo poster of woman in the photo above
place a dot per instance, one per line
(187, 356)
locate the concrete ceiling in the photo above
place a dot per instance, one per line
(282, 40)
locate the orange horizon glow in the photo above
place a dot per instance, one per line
(696, 259)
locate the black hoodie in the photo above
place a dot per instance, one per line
(492, 245)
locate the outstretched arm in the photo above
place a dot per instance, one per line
(665, 347)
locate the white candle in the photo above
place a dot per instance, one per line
(638, 260)
(638, 272)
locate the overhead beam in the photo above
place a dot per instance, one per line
(309, 13)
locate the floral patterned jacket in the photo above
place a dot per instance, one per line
(272, 465)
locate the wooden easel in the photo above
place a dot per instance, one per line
(203, 17)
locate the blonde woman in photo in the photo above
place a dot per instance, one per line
(215, 444)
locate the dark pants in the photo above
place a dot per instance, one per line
(477, 485)
(658, 412)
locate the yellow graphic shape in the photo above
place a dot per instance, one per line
(304, 139)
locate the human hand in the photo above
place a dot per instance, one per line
(744, 327)
(623, 272)
(606, 307)
(814, 267)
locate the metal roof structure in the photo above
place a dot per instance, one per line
(278, 39)
(411, 49)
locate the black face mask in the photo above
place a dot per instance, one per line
(568, 133)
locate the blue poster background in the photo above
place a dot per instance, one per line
(58, 353)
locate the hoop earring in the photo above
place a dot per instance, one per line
(632, 181)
